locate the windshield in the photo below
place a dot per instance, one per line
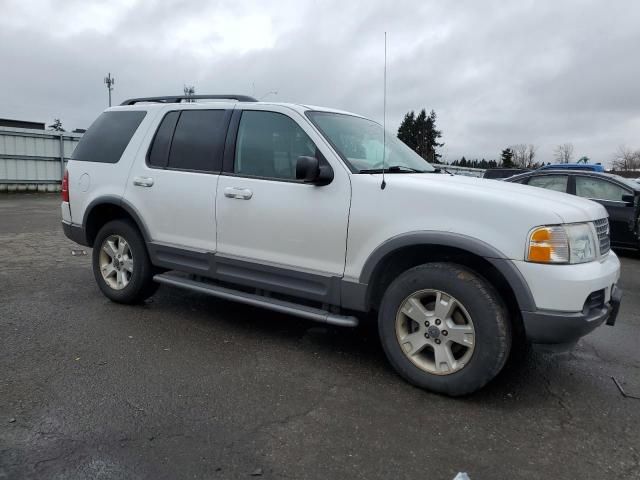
(359, 142)
(627, 181)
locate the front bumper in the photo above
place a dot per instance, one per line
(552, 327)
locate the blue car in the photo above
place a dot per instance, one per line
(585, 167)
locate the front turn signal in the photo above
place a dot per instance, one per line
(548, 245)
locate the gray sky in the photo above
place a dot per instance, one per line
(496, 72)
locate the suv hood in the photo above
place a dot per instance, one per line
(568, 208)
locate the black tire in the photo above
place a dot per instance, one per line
(490, 321)
(141, 285)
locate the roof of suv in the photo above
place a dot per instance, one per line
(184, 102)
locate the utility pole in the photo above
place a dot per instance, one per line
(110, 82)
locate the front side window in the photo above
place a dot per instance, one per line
(597, 189)
(550, 182)
(269, 144)
(108, 136)
(361, 142)
(198, 141)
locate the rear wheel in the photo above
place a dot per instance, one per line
(444, 328)
(121, 263)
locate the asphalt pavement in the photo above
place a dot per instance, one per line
(188, 386)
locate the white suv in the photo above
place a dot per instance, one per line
(286, 207)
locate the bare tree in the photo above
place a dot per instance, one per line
(519, 155)
(564, 153)
(530, 155)
(626, 159)
(523, 155)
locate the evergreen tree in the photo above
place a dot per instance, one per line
(56, 125)
(433, 134)
(507, 158)
(406, 131)
(420, 133)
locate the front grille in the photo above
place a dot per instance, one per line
(602, 227)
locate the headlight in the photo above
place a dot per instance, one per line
(574, 243)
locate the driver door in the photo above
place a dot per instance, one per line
(272, 228)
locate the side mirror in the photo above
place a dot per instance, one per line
(309, 170)
(629, 199)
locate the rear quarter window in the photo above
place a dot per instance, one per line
(108, 136)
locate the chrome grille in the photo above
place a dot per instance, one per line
(602, 228)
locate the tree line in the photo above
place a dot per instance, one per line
(420, 133)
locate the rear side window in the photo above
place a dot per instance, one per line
(550, 182)
(198, 141)
(159, 153)
(108, 136)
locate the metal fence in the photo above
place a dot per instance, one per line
(466, 171)
(34, 160)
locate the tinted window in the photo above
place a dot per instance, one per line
(159, 153)
(269, 145)
(550, 182)
(521, 180)
(596, 188)
(198, 140)
(108, 136)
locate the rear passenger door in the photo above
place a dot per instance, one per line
(173, 184)
(555, 182)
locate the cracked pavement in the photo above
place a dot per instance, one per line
(189, 386)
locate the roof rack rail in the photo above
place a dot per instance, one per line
(182, 98)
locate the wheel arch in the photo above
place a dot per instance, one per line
(106, 208)
(408, 250)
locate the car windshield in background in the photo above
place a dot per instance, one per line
(360, 143)
(627, 181)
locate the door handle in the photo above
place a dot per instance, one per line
(238, 193)
(143, 181)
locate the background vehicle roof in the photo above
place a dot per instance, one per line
(583, 173)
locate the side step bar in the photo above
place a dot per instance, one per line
(282, 306)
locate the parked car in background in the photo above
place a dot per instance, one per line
(585, 167)
(620, 196)
(499, 173)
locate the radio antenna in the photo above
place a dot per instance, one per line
(384, 115)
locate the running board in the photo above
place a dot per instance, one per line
(282, 306)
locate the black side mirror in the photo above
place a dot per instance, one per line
(629, 199)
(310, 170)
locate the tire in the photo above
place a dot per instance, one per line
(134, 283)
(473, 334)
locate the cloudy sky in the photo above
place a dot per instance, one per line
(496, 72)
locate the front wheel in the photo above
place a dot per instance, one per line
(121, 263)
(444, 328)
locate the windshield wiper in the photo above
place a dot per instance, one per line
(394, 169)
